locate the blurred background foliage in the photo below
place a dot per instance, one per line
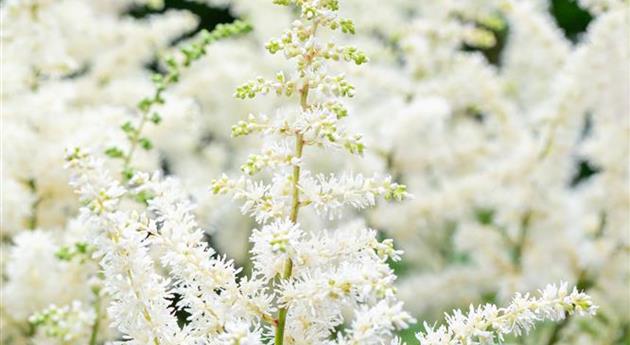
(572, 19)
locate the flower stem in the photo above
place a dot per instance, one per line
(295, 209)
(32, 221)
(295, 204)
(134, 142)
(96, 325)
(282, 314)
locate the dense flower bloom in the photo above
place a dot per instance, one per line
(507, 129)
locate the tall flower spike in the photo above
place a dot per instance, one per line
(316, 121)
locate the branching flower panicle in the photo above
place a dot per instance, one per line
(280, 246)
(174, 66)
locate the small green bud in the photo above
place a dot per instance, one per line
(64, 254)
(158, 81)
(253, 165)
(171, 62)
(339, 110)
(280, 77)
(347, 26)
(205, 37)
(355, 146)
(332, 5)
(396, 192)
(250, 89)
(359, 58)
(145, 104)
(220, 186)
(309, 12)
(273, 46)
(156, 118)
(145, 143)
(329, 131)
(67, 253)
(240, 129)
(128, 128)
(344, 88)
(353, 54)
(144, 197)
(127, 173)
(114, 152)
(82, 247)
(74, 155)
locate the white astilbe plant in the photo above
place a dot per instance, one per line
(302, 280)
(316, 271)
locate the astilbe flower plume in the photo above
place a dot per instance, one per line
(307, 286)
(312, 283)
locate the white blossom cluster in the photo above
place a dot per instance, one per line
(510, 139)
(488, 324)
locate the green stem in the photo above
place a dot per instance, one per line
(134, 142)
(295, 202)
(282, 314)
(96, 325)
(295, 209)
(295, 205)
(33, 220)
(555, 333)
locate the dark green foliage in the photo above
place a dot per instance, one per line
(572, 19)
